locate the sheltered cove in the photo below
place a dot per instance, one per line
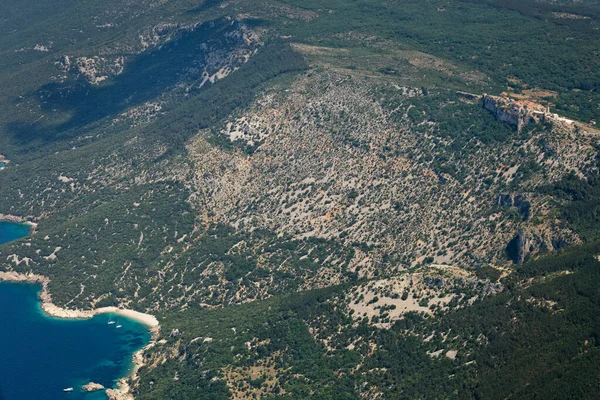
(52, 310)
(18, 220)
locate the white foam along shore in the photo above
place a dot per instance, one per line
(54, 311)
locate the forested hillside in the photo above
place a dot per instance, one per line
(325, 199)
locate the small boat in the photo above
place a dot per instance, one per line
(68, 390)
(110, 321)
(118, 325)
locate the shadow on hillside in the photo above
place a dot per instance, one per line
(145, 78)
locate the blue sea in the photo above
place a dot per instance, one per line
(40, 355)
(10, 231)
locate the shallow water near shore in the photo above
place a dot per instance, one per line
(40, 355)
(10, 231)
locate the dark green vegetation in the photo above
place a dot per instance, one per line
(147, 76)
(114, 188)
(500, 38)
(583, 208)
(217, 102)
(540, 339)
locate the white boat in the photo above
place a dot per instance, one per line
(110, 321)
(118, 325)
(68, 390)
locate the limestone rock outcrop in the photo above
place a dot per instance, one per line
(92, 387)
(529, 242)
(510, 112)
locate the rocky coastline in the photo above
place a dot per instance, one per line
(18, 220)
(123, 390)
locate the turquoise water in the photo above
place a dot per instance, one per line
(11, 231)
(40, 355)
(2, 164)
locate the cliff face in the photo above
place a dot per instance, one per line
(509, 112)
(531, 241)
(518, 201)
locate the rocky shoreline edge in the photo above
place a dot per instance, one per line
(19, 220)
(123, 390)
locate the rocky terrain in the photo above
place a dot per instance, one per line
(272, 179)
(333, 158)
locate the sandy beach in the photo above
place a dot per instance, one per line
(54, 311)
(57, 312)
(122, 392)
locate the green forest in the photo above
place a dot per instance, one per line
(234, 209)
